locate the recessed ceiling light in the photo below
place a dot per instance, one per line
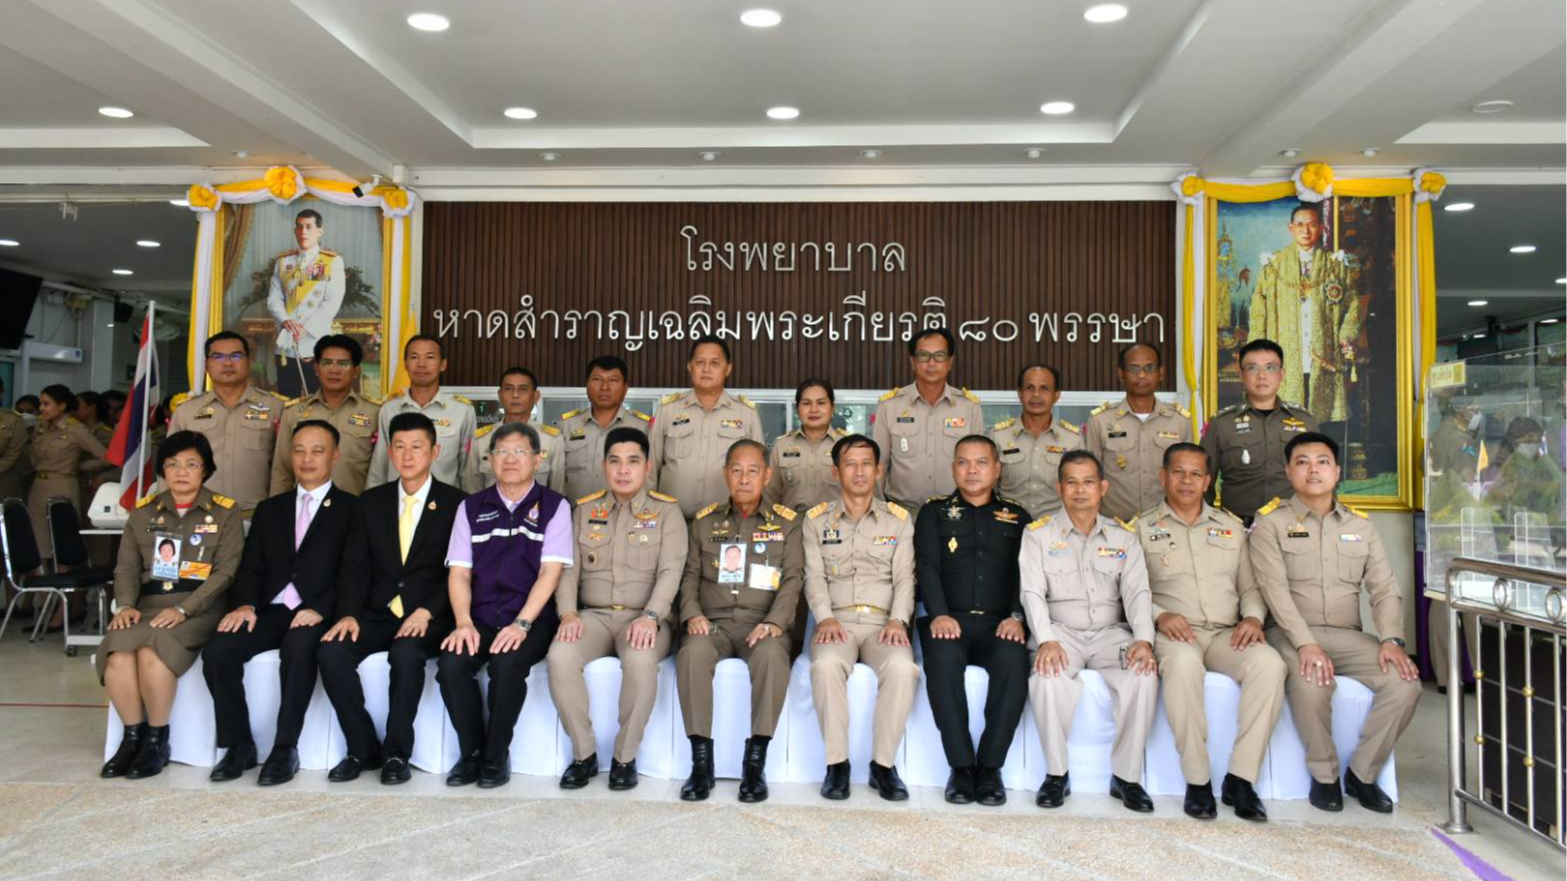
(709, 155)
(1369, 152)
(1290, 153)
(241, 154)
(549, 157)
(1479, 302)
(782, 112)
(9, 243)
(122, 272)
(761, 18)
(1561, 281)
(148, 243)
(1459, 206)
(1057, 108)
(428, 21)
(1491, 106)
(116, 112)
(1549, 320)
(521, 113)
(1478, 336)
(1034, 152)
(871, 154)
(180, 203)
(1523, 249)
(1105, 13)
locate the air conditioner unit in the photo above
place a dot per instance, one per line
(56, 354)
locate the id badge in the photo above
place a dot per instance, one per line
(764, 577)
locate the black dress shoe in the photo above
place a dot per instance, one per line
(1132, 795)
(280, 767)
(1199, 801)
(886, 781)
(234, 763)
(1327, 796)
(1238, 793)
(1053, 792)
(960, 786)
(579, 772)
(153, 755)
(465, 772)
(622, 775)
(988, 789)
(699, 785)
(395, 771)
(130, 744)
(1371, 796)
(836, 785)
(753, 770)
(350, 768)
(494, 772)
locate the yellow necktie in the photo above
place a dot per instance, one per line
(405, 538)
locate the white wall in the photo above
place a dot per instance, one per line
(107, 347)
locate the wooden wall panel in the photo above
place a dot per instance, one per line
(988, 261)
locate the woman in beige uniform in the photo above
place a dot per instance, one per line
(802, 459)
(169, 602)
(62, 448)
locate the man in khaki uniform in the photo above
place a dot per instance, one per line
(582, 431)
(455, 421)
(1130, 438)
(917, 427)
(13, 451)
(338, 403)
(859, 583)
(1032, 444)
(1209, 615)
(1085, 592)
(1311, 554)
(518, 393)
(631, 550)
(746, 618)
(1246, 440)
(239, 420)
(693, 430)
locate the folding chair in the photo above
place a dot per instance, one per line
(65, 533)
(22, 557)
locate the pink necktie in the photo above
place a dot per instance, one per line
(290, 597)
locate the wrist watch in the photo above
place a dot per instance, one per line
(650, 615)
(1396, 641)
(1018, 617)
(523, 624)
(181, 610)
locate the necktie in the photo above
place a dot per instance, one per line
(290, 597)
(405, 538)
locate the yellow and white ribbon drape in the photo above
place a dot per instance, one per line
(285, 184)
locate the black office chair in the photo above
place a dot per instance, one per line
(22, 557)
(65, 533)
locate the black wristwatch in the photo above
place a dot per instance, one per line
(523, 624)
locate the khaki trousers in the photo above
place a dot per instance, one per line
(1354, 654)
(896, 678)
(699, 657)
(1260, 673)
(1135, 697)
(604, 634)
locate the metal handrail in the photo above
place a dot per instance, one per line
(1505, 574)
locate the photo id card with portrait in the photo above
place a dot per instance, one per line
(165, 556)
(731, 563)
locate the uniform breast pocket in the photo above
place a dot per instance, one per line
(1108, 569)
(731, 429)
(1226, 557)
(357, 437)
(680, 439)
(1245, 455)
(1005, 538)
(256, 434)
(837, 559)
(644, 545)
(594, 550)
(906, 438)
(791, 472)
(1301, 562)
(954, 528)
(1063, 578)
(950, 435)
(446, 435)
(578, 455)
(1352, 557)
(1119, 441)
(1164, 439)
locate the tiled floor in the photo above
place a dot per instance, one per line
(57, 820)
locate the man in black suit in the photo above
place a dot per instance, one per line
(391, 598)
(283, 594)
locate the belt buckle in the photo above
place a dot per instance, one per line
(976, 611)
(617, 608)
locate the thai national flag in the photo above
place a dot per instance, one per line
(128, 448)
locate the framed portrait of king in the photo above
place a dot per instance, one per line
(1330, 283)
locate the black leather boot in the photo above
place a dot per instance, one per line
(753, 770)
(153, 754)
(700, 784)
(122, 758)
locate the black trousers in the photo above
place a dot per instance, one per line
(340, 660)
(223, 665)
(457, 676)
(946, 661)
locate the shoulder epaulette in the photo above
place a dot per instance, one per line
(655, 494)
(1230, 409)
(671, 397)
(642, 416)
(898, 510)
(1128, 525)
(292, 401)
(568, 415)
(1100, 409)
(1185, 413)
(591, 496)
(397, 394)
(284, 398)
(1075, 429)
(1291, 405)
(462, 399)
(372, 399)
(746, 401)
(146, 500)
(222, 500)
(1269, 508)
(1228, 513)
(1356, 511)
(935, 498)
(1041, 522)
(705, 511)
(325, 253)
(888, 396)
(549, 429)
(1004, 424)
(819, 510)
(485, 430)
(177, 400)
(971, 396)
(783, 511)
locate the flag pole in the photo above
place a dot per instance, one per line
(146, 372)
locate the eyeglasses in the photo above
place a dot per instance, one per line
(511, 453)
(335, 362)
(1254, 369)
(172, 465)
(1135, 369)
(938, 357)
(232, 357)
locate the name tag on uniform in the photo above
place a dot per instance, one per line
(1243, 428)
(767, 536)
(1216, 532)
(1164, 536)
(1298, 532)
(791, 453)
(682, 419)
(830, 537)
(1117, 434)
(1117, 553)
(884, 540)
(1009, 451)
(359, 419)
(1351, 536)
(956, 422)
(205, 414)
(1170, 435)
(906, 418)
(764, 577)
(579, 434)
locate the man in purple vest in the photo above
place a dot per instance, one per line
(509, 545)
